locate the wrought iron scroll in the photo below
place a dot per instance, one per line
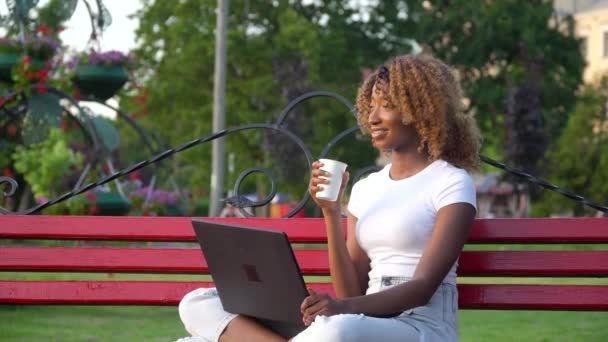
(534, 180)
(241, 201)
(21, 108)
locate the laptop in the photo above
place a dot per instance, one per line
(255, 272)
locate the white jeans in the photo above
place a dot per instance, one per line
(203, 316)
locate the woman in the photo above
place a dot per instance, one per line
(394, 276)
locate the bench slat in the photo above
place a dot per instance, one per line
(105, 292)
(534, 263)
(540, 230)
(523, 297)
(534, 297)
(191, 261)
(129, 260)
(525, 231)
(134, 228)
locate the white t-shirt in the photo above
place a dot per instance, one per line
(396, 217)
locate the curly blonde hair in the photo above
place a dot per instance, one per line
(427, 94)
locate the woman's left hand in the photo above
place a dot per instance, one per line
(320, 304)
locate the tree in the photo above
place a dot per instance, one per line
(579, 159)
(276, 52)
(519, 62)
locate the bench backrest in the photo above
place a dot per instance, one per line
(485, 257)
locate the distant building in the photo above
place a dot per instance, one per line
(591, 18)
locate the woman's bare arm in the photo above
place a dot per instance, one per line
(449, 235)
(348, 263)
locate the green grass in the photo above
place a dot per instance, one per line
(529, 326)
(150, 323)
(89, 323)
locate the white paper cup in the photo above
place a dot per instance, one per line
(336, 170)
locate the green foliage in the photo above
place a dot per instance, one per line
(280, 50)
(55, 13)
(579, 159)
(27, 72)
(277, 51)
(44, 164)
(77, 205)
(8, 45)
(498, 47)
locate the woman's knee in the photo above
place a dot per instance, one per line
(335, 328)
(199, 298)
(197, 304)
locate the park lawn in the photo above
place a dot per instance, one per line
(152, 323)
(490, 325)
(89, 323)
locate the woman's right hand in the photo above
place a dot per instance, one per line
(314, 187)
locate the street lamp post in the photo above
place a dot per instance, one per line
(219, 92)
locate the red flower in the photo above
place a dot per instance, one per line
(64, 126)
(91, 197)
(94, 210)
(44, 29)
(26, 60)
(11, 130)
(41, 88)
(42, 74)
(8, 172)
(134, 175)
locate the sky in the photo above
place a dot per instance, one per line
(120, 35)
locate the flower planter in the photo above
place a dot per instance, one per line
(99, 82)
(7, 61)
(169, 210)
(110, 203)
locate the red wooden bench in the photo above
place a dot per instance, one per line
(162, 258)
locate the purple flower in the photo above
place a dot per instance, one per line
(40, 47)
(152, 197)
(41, 199)
(8, 42)
(110, 58)
(36, 47)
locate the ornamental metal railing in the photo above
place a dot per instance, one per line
(241, 201)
